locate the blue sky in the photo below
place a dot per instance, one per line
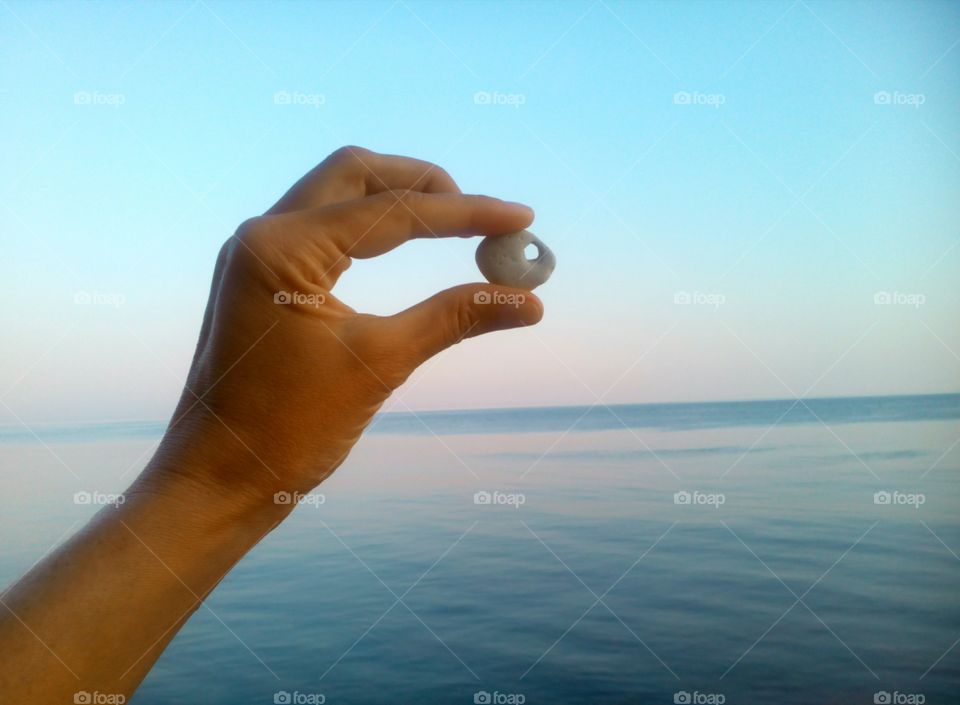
(777, 164)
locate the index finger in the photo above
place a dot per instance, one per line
(355, 172)
(377, 224)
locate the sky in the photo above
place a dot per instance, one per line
(746, 200)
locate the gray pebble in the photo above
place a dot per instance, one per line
(502, 261)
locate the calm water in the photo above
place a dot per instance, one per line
(781, 580)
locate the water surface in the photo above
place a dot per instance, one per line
(783, 580)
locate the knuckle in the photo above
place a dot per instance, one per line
(251, 237)
(402, 202)
(476, 208)
(481, 201)
(409, 197)
(438, 173)
(349, 154)
(252, 230)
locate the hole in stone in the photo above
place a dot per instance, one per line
(531, 252)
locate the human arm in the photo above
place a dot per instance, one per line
(277, 394)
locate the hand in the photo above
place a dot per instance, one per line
(293, 383)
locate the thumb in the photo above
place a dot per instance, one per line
(465, 311)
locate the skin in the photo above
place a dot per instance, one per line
(276, 397)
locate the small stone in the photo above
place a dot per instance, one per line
(502, 260)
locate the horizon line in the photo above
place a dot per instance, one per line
(21, 424)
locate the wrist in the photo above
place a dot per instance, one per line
(202, 488)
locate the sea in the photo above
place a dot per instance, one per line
(783, 551)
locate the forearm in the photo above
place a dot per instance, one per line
(96, 613)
